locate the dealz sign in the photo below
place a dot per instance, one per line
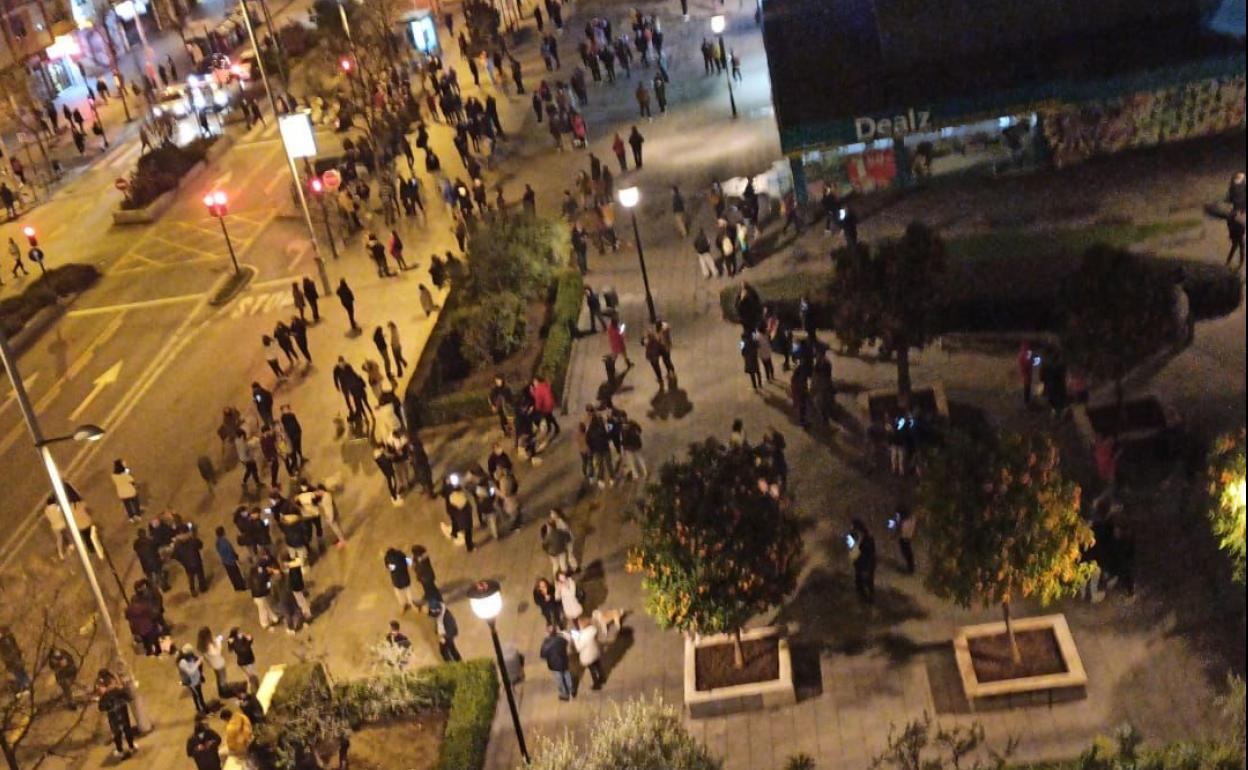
(912, 122)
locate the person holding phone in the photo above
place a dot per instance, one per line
(127, 490)
(862, 550)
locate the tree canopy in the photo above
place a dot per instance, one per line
(890, 297)
(1225, 479)
(716, 547)
(1002, 522)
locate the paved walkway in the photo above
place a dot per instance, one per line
(861, 670)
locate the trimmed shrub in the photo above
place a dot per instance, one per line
(73, 278)
(308, 711)
(647, 735)
(159, 170)
(489, 330)
(557, 352)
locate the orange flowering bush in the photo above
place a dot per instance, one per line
(1225, 486)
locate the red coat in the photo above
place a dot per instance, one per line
(543, 397)
(615, 336)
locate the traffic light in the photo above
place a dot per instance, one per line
(29, 232)
(216, 202)
(316, 185)
(346, 64)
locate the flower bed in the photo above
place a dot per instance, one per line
(713, 687)
(17, 311)
(307, 710)
(159, 170)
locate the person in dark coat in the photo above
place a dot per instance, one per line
(263, 399)
(555, 652)
(229, 560)
(313, 296)
(148, 552)
(864, 561)
(188, 551)
(347, 298)
(447, 629)
(203, 747)
(422, 568)
(299, 330)
(115, 703)
(635, 140)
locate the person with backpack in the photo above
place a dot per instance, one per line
(240, 644)
(554, 651)
(631, 460)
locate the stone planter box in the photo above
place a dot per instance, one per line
(742, 697)
(1070, 684)
(879, 403)
(152, 211)
(1149, 430)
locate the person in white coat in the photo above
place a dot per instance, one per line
(127, 491)
(566, 592)
(588, 650)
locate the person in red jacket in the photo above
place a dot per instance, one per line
(615, 336)
(544, 405)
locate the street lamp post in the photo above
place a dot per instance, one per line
(218, 206)
(629, 197)
(717, 26)
(83, 433)
(486, 599)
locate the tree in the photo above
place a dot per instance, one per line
(1003, 524)
(1116, 310)
(34, 722)
(716, 548)
(641, 735)
(890, 297)
(1225, 479)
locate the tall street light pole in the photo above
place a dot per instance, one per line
(42, 445)
(290, 161)
(717, 26)
(486, 599)
(629, 197)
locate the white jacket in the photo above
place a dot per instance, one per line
(124, 484)
(565, 592)
(586, 642)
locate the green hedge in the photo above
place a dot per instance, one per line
(73, 278)
(160, 168)
(1010, 280)
(467, 691)
(471, 404)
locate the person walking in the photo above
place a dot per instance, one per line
(397, 564)
(554, 651)
(285, 341)
(617, 147)
(1026, 366)
(241, 645)
(191, 672)
(588, 650)
(862, 547)
(11, 656)
(211, 649)
(654, 353)
(422, 569)
(1235, 232)
(635, 141)
(65, 672)
(749, 355)
(299, 331)
(127, 490)
(557, 545)
(594, 305)
(660, 93)
(903, 522)
(383, 350)
(16, 252)
(313, 297)
(617, 341)
(300, 302)
(396, 348)
(631, 460)
(678, 212)
(643, 101)
(544, 405)
(204, 746)
(447, 629)
(263, 399)
(347, 298)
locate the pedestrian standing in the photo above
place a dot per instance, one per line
(299, 330)
(678, 212)
(347, 298)
(396, 347)
(191, 671)
(204, 747)
(589, 651)
(545, 600)
(904, 524)
(749, 355)
(616, 341)
(313, 296)
(211, 649)
(65, 671)
(188, 551)
(1235, 232)
(594, 305)
(296, 294)
(127, 490)
(397, 564)
(660, 93)
(11, 656)
(261, 586)
(114, 702)
(643, 103)
(554, 651)
(447, 629)
(383, 350)
(240, 644)
(630, 450)
(570, 596)
(422, 569)
(557, 545)
(862, 548)
(544, 405)
(635, 140)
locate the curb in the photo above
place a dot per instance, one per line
(33, 329)
(218, 298)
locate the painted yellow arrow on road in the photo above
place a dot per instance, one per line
(101, 382)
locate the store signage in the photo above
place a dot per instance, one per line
(297, 135)
(913, 121)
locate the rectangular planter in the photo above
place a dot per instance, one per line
(878, 403)
(1149, 430)
(742, 697)
(1028, 691)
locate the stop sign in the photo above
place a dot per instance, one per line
(121, 184)
(332, 179)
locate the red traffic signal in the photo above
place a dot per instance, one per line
(29, 232)
(346, 64)
(316, 185)
(216, 202)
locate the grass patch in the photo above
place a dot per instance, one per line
(43, 292)
(233, 285)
